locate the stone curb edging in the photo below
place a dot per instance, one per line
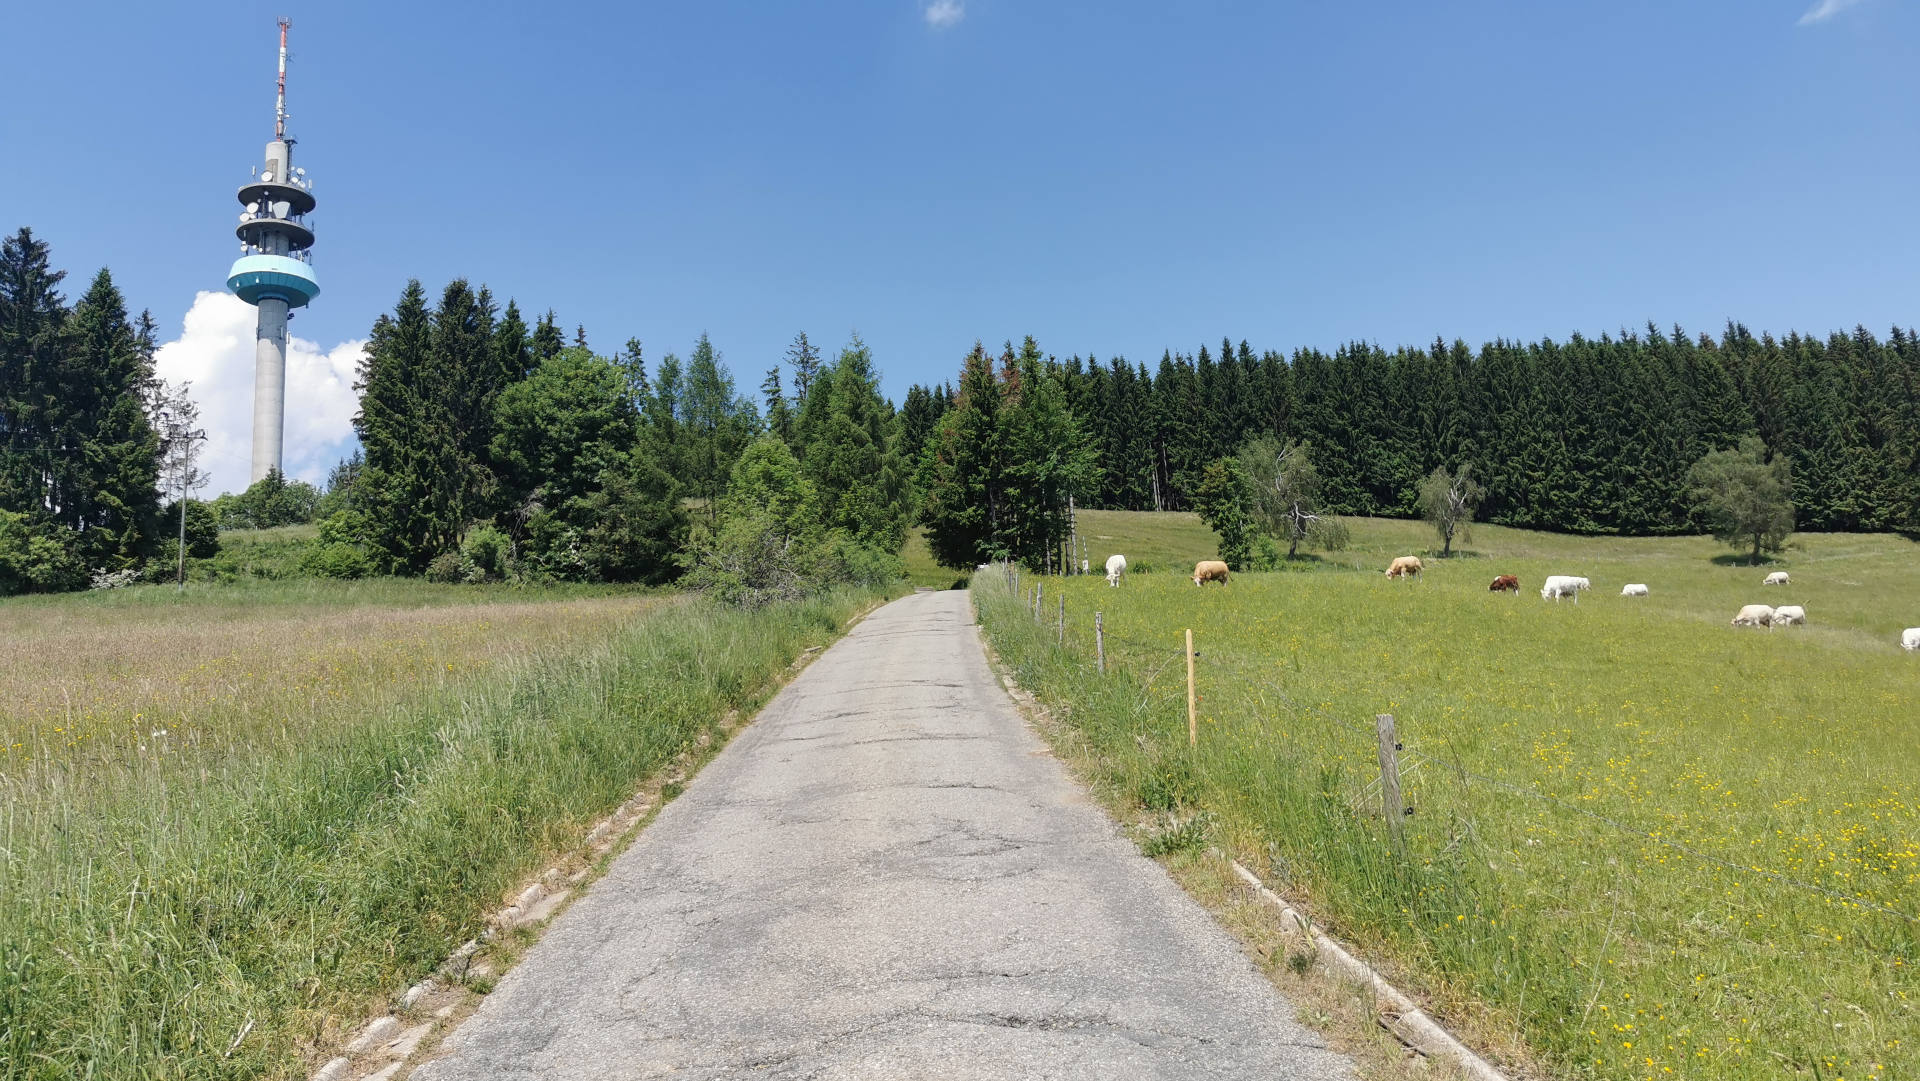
(387, 1043)
(1400, 1015)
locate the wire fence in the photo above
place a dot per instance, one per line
(1412, 759)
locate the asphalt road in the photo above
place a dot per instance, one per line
(885, 876)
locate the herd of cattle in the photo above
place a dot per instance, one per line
(1555, 587)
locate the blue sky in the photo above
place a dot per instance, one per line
(1115, 178)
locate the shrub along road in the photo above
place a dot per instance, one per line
(885, 876)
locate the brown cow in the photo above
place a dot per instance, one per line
(1404, 567)
(1505, 582)
(1209, 570)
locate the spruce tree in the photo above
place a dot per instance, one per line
(1048, 462)
(405, 434)
(33, 318)
(547, 340)
(961, 479)
(106, 464)
(804, 359)
(779, 412)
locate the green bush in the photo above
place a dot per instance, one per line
(841, 560)
(337, 560)
(446, 568)
(36, 558)
(485, 555)
(203, 530)
(271, 501)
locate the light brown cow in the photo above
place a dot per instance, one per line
(1404, 567)
(1209, 570)
(1505, 582)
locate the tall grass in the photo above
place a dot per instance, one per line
(1648, 843)
(160, 898)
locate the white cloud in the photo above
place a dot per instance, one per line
(214, 352)
(942, 14)
(1826, 9)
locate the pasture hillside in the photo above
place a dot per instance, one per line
(1643, 842)
(237, 818)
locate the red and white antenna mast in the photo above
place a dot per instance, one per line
(280, 102)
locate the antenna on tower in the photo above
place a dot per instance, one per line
(280, 103)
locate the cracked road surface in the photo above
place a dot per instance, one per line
(885, 876)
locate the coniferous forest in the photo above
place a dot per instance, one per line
(1582, 436)
(493, 448)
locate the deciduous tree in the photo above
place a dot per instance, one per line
(1746, 498)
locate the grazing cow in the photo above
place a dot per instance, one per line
(1404, 567)
(1788, 614)
(1634, 589)
(1910, 639)
(1753, 615)
(1563, 585)
(1777, 578)
(1116, 566)
(1504, 583)
(1209, 570)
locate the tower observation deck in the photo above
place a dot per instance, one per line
(274, 272)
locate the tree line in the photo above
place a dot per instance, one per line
(491, 447)
(1585, 436)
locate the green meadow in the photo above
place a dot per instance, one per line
(242, 817)
(1642, 843)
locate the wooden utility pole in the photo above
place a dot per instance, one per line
(1193, 700)
(1390, 797)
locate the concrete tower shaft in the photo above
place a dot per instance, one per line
(274, 271)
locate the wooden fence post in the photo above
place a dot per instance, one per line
(1099, 644)
(1061, 626)
(1390, 798)
(1193, 701)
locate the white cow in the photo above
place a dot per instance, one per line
(1116, 566)
(1563, 585)
(1753, 615)
(1777, 578)
(1634, 589)
(1910, 639)
(1789, 614)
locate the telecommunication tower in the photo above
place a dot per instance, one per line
(274, 272)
